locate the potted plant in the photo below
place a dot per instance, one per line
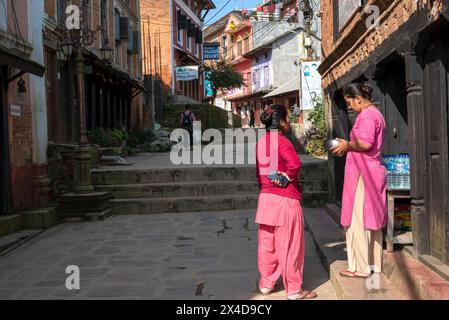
(121, 135)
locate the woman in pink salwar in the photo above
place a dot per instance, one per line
(364, 205)
(279, 213)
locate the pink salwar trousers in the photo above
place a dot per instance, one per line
(281, 242)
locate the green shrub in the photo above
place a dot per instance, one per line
(103, 137)
(210, 116)
(316, 147)
(120, 134)
(140, 136)
(314, 139)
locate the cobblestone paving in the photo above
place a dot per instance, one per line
(161, 256)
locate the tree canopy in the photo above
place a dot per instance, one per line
(223, 77)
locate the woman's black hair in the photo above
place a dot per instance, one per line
(273, 115)
(363, 90)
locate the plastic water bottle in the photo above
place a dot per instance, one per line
(400, 168)
(394, 173)
(407, 171)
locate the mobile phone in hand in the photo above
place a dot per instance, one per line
(282, 179)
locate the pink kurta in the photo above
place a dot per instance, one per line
(369, 128)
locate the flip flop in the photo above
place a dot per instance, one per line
(349, 274)
(304, 294)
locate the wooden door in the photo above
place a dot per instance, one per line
(435, 86)
(51, 94)
(393, 104)
(5, 164)
(341, 127)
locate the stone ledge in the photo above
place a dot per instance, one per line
(10, 224)
(415, 278)
(41, 218)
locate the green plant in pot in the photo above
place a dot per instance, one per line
(121, 135)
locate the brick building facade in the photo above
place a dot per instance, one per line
(172, 37)
(405, 59)
(22, 106)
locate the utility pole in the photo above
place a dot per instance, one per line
(307, 10)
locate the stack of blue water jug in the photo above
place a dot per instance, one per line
(398, 168)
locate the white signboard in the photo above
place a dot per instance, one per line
(186, 73)
(15, 110)
(310, 84)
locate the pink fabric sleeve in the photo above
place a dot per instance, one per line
(288, 153)
(259, 181)
(366, 130)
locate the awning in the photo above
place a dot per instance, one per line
(248, 96)
(289, 86)
(15, 59)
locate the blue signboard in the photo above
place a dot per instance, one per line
(211, 51)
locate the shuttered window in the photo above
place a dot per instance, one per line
(117, 26)
(125, 28)
(60, 11)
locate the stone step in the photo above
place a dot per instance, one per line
(310, 171)
(329, 240)
(414, 277)
(184, 204)
(314, 199)
(179, 189)
(377, 287)
(200, 188)
(10, 224)
(201, 203)
(42, 218)
(12, 240)
(184, 174)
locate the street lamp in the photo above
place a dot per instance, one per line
(106, 52)
(72, 43)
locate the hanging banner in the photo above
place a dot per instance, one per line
(186, 73)
(208, 85)
(310, 84)
(211, 51)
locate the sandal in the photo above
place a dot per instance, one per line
(350, 274)
(304, 294)
(266, 291)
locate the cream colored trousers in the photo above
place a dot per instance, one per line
(364, 247)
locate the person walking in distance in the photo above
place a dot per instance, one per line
(187, 119)
(279, 214)
(252, 120)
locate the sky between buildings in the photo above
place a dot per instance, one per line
(213, 15)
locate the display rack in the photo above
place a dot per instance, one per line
(391, 238)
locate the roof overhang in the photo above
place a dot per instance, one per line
(248, 96)
(286, 88)
(17, 60)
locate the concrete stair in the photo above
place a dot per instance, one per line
(330, 243)
(18, 228)
(184, 204)
(197, 188)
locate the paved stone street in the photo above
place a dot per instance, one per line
(159, 256)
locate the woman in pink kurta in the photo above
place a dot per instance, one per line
(279, 214)
(364, 205)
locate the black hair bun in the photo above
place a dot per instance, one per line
(266, 118)
(367, 88)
